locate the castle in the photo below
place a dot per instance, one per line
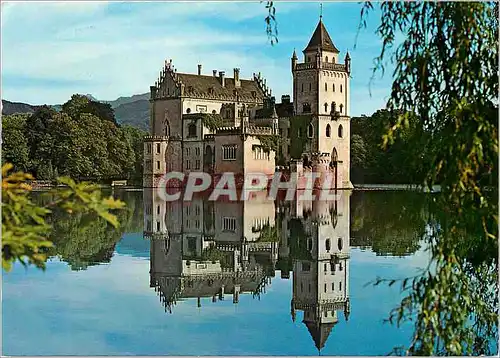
(217, 250)
(215, 123)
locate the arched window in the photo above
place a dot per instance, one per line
(326, 59)
(334, 107)
(326, 107)
(327, 244)
(341, 107)
(192, 130)
(333, 87)
(326, 86)
(341, 131)
(340, 88)
(188, 110)
(339, 243)
(310, 87)
(302, 88)
(328, 131)
(310, 131)
(306, 108)
(333, 60)
(340, 286)
(214, 111)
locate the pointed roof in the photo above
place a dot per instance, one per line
(319, 332)
(321, 40)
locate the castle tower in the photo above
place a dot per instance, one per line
(321, 278)
(321, 91)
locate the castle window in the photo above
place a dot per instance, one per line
(188, 110)
(158, 165)
(340, 88)
(340, 244)
(333, 59)
(328, 131)
(229, 224)
(310, 131)
(157, 226)
(334, 107)
(254, 94)
(306, 266)
(158, 209)
(197, 165)
(340, 266)
(149, 148)
(188, 151)
(326, 267)
(188, 164)
(306, 108)
(341, 131)
(158, 148)
(302, 88)
(333, 286)
(229, 152)
(192, 130)
(214, 111)
(340, 286)
(197, 151)
(333, 87)
(326, 107)
(310, 87)
(326, 86)
(327, 244)
(325, 291)
(341, 106)
(326, 59)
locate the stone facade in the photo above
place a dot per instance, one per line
(214, 123)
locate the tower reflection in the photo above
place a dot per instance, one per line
(216, 250)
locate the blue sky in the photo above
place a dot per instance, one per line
(112, 49)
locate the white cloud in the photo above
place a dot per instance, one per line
(114, 51)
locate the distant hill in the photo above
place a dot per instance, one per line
(133, 110)
(135, 114)
(124, 100)
(16, 107)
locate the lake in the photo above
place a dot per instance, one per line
(221, 278)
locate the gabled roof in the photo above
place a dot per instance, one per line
(200, 84)
(321, 39)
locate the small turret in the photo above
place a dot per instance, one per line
(294, 60)
(347, 61)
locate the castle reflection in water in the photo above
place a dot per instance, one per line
(222, 249)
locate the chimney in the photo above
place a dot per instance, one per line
(222, 78)
(214, 72)
(199, 69)
(237, 82)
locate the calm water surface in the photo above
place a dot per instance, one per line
(219, 278)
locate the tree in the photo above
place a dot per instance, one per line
(15, 149)
(25, 231)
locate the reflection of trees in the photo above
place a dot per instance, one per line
(87, 240)
(390, 223)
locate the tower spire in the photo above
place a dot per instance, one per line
(320, 11)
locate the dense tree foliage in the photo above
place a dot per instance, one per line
(446, 75)
(82, 141)
(25, 226)
(406, 161)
